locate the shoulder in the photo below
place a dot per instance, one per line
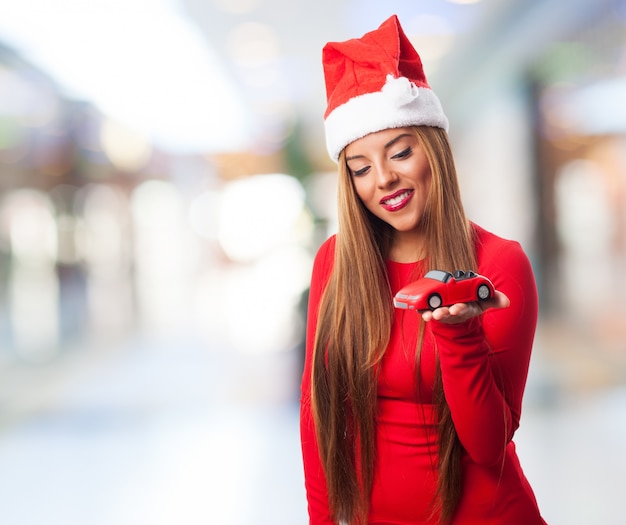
(324, 260)
(502, 260)
(491, 247)
(326, 252)
(506, 264)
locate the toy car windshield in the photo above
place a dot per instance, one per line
(438, 275)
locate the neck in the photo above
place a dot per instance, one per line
(407, 247)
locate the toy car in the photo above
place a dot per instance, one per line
(439, 288)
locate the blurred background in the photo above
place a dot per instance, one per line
(164, 186)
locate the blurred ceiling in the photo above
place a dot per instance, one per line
(272, 48)
(148, 62)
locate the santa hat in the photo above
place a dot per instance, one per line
(373, 83)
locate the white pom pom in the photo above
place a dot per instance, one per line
(400, 91)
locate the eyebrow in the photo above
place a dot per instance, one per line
(388, 145)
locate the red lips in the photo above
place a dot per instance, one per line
(397, 201)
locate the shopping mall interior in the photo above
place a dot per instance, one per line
(164, 187)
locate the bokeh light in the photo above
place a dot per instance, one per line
(127, 150)
(260, 214)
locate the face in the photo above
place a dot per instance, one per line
(391, 176)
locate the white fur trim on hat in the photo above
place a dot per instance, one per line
(400, 103)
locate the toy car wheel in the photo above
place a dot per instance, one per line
(483, 292)
(434, 301)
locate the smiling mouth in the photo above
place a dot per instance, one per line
(396, 200)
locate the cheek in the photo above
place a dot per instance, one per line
(425, 176)
(362, 188)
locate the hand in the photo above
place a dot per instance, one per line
(461, 312)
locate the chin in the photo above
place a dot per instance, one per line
(406, 228)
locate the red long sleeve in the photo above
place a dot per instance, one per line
(484, 362)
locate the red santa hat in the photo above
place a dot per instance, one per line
(373, 83)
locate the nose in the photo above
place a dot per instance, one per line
(386, 177)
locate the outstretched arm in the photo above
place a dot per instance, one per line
(484, 352)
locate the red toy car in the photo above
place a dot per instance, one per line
(438, 288)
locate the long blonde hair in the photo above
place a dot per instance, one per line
(352, 335)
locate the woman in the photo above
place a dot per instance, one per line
(408, 418)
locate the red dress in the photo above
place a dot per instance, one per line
(484, 365)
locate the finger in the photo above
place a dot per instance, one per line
(503, 300)
(427, 315)
(499, 300)
(441, 313)
(461, 309)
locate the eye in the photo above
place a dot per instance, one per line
(362, 171)
(403, 154)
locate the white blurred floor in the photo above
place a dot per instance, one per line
(164, 433)
(155, 433)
